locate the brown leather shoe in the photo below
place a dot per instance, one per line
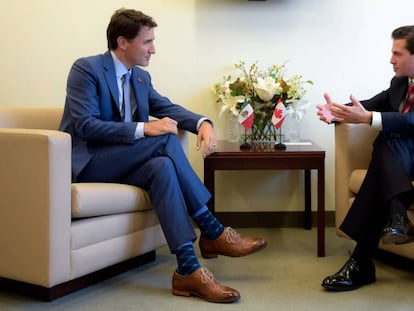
(230, 243)
(201, 283)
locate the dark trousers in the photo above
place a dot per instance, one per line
(389, 176)
(159, 165)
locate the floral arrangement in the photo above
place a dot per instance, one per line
(262, 89)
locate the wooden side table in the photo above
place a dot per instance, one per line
(307, 157)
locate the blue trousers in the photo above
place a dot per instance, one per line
(159, 165)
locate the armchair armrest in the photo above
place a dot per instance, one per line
(35, 170)
(353, 148)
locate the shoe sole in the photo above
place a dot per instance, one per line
(185, 293)
(346, 288)
(209, 255)
(395, 238)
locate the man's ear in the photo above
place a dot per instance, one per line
(122, 43)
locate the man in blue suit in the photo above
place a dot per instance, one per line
(113, 141)
(379, 210)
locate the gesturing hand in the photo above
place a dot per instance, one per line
(355, 113)
(325, 110)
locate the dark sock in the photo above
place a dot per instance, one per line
(209, 226)
(397, 207)
(186, 260)
(362, 253)
(406, 198)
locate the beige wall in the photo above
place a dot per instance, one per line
(343, 46)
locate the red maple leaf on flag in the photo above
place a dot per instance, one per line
(279, 113)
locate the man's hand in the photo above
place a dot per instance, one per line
(356, 113)
(160, 127)
(324, 111)
(351, 114)
(206, 135)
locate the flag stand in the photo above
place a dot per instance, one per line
(245, 145)
(280, 145)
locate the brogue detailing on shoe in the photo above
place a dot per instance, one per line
(232, 236)
(206, 275)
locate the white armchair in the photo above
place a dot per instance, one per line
(57, 236)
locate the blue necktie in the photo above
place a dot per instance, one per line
(126, 98)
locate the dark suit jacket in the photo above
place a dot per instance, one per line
(388, 103)
(92, 115)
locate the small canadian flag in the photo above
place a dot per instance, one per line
(246, 116)
(279, 114)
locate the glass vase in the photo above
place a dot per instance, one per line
(292, 126)
(233, 129)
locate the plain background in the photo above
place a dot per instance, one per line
(343, 46)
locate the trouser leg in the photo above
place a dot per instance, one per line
(387, 177)
(160, 166)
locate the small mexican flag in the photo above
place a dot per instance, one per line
(279, 114)
(246, 116)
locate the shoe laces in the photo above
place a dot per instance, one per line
(206, 275)
(232, 236)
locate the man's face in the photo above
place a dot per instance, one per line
(138, 51)
(401, 59)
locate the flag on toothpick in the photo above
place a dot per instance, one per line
(246, 116)
(279, 114)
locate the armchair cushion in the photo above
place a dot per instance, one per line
(97, 199)
(356, 179)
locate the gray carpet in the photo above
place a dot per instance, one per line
(284, 276)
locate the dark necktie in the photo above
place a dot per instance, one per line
(410, 98)
(126, 98)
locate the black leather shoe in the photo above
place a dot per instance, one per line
(399, 230)
(351, 276)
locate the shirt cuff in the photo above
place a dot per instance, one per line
(139, 130)
(201, 121)
(376, 120)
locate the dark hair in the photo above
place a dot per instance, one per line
(126, 23)
(406, 33)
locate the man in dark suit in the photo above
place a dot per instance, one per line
(380, 208)
(113, 141)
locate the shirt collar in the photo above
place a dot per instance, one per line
(120, 68)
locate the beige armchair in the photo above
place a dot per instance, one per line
(353, 147)
(57, 236)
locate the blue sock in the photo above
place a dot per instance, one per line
(186, 259)
(209, 226)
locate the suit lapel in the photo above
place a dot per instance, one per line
(110, 77)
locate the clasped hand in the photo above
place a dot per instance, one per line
(169, 126)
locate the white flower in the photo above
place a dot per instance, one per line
(266, 88)
(230, 103)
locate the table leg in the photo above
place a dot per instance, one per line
(308, 211)
(209, 183)
(321, 211)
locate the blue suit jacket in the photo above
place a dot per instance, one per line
(92, 115)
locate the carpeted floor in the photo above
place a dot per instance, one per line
(285, 276)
